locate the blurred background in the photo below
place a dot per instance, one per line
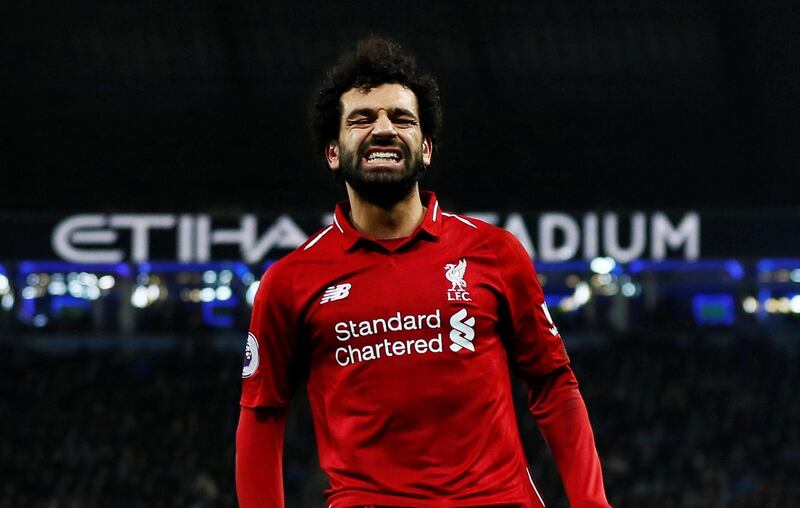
(155, 161)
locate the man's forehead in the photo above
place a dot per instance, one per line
(386, 96)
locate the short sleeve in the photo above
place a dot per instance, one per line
(535, 345)
(270, 360)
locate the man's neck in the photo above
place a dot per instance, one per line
(397, 222)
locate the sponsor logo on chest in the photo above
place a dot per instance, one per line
(386, 336)
(380, 335)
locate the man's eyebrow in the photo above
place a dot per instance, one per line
(402, 111)
(360, 112)
(391, 111)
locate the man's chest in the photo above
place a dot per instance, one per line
(379, 307)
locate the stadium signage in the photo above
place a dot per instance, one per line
(111, 238)
(564, 236)
(93, 238)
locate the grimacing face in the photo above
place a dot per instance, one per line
(381, 149)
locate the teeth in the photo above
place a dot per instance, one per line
(383, 155)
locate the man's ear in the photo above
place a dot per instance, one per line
(427, 151)
(332, 155)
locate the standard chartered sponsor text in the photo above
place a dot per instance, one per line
(388, 347)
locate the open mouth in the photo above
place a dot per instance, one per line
(382, 156)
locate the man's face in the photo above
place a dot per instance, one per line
(381, 150)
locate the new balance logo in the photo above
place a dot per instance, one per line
(334, 293)
(463, 331)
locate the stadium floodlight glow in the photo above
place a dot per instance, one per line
(794, 304)
(225, 277)
(153, 293)
(629, 289)
(92, 292)
(209, 276)
(29, 292)
(39, 320)
(795, 275)
(248, 278)
(7, 301)
(75, 288)
(224, 293)
(106, 282)
(4, 285)
(57, 287)
(602, 265)
(32, 279)
(250, 296)
(582, 294)
(601, 281)
(207, 295)
(139, 297)
(87, 279)
(567, 304)
(780, 305)
(750, 305)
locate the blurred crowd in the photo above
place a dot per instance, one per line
(678, 422)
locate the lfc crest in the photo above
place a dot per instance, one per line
(455, 274)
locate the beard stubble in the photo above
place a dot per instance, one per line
(382, 187)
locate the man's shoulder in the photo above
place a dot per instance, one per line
(318, 246)
(494, 236)
(321, 243)
(502, 245)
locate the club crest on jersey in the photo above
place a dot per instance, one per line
(250, 356)
(334, 293)
(458, 286)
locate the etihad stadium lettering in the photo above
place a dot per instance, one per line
(551, 236)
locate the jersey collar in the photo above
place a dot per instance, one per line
(431, 224)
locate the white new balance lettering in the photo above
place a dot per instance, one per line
(463, 332)
(334, 293)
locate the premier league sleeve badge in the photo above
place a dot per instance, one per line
(250, 356)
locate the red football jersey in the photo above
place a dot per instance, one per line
(405, 348)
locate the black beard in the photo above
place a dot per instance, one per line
(383, 188)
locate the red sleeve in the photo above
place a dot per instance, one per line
(535, 346)
(270, 367)
(259, 458)
(561, 415)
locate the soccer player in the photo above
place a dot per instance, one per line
(405, 323)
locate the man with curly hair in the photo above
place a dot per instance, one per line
(405, 322)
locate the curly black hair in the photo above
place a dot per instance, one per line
(373, 62)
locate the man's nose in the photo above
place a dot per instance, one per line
(384, 126)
